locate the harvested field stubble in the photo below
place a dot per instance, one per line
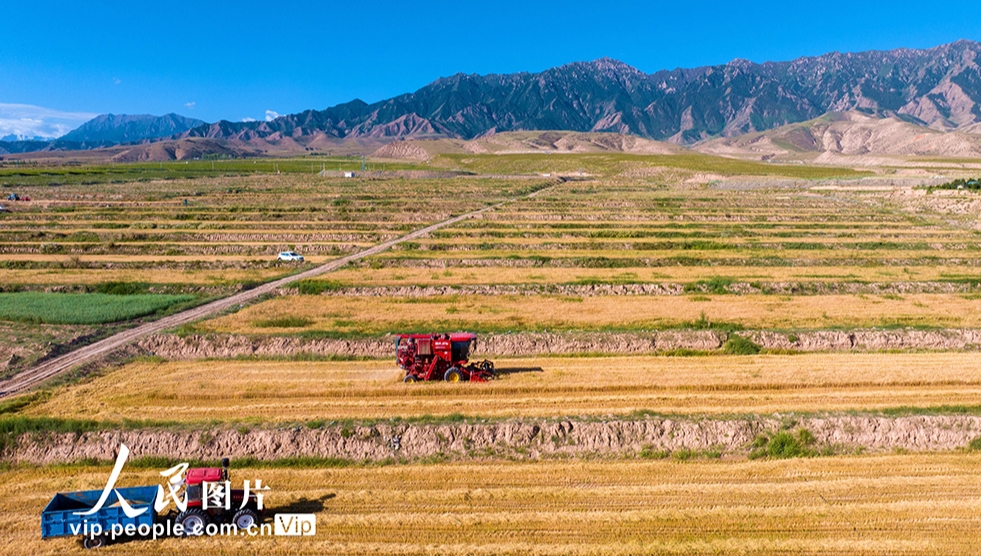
(535, 387)
(375, 316)
(500, 275)
(228, 218)
(852, 505)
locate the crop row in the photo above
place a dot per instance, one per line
(278, 391)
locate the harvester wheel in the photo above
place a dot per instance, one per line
(194, 521)
(487, 367)
(409, 379)
(453, 375)
(89, 541)
(245, 519)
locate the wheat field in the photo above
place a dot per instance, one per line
(375, 316)
(271, 391)
(887, 504)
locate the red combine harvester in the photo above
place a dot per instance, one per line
(440, 357)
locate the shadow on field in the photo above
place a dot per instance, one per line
(504, 371)
(305, 505)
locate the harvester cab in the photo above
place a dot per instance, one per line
(226, 508)
(440, 357)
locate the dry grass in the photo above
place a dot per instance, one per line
(201, 277)
(910, 504)
(378, 315)
(288, 391)
(364, 276)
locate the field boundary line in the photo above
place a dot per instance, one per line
(53, 367)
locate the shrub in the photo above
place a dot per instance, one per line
(718, 285)
(737, 345)
(784, 444)
(649, 452)
(120, 288)
(317, 287)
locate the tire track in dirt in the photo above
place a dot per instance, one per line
(53, 367)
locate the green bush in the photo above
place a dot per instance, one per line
(737, 345)
(717, 285)
(317, 287)
(784, 444)
(972, 184)
(649, 452)
(120, 288)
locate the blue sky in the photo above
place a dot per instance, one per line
(237, 60)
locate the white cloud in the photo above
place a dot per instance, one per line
(26, 120)
(116, 81)
(271, 115)
(248, 119)
(190, 105)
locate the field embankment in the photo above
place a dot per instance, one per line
(213, 346)
(522, 439)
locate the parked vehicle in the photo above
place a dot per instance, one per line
(440, 357)
(290, 256)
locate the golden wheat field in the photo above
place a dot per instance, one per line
(608, 231)
(270, 391)
(887, 504)
(371, 316)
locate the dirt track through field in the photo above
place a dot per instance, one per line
(58, 365)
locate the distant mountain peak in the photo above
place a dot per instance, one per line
(610, 63)
(130, 128)
(740, 63)
(604, 65)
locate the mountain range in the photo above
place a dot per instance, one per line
(122, 128)
(937, 88)
(104, 131)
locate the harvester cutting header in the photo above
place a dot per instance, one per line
(440, 357)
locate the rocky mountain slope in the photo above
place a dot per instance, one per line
(105, 131)
(848, 133)
(123, 128)
(938, 87)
